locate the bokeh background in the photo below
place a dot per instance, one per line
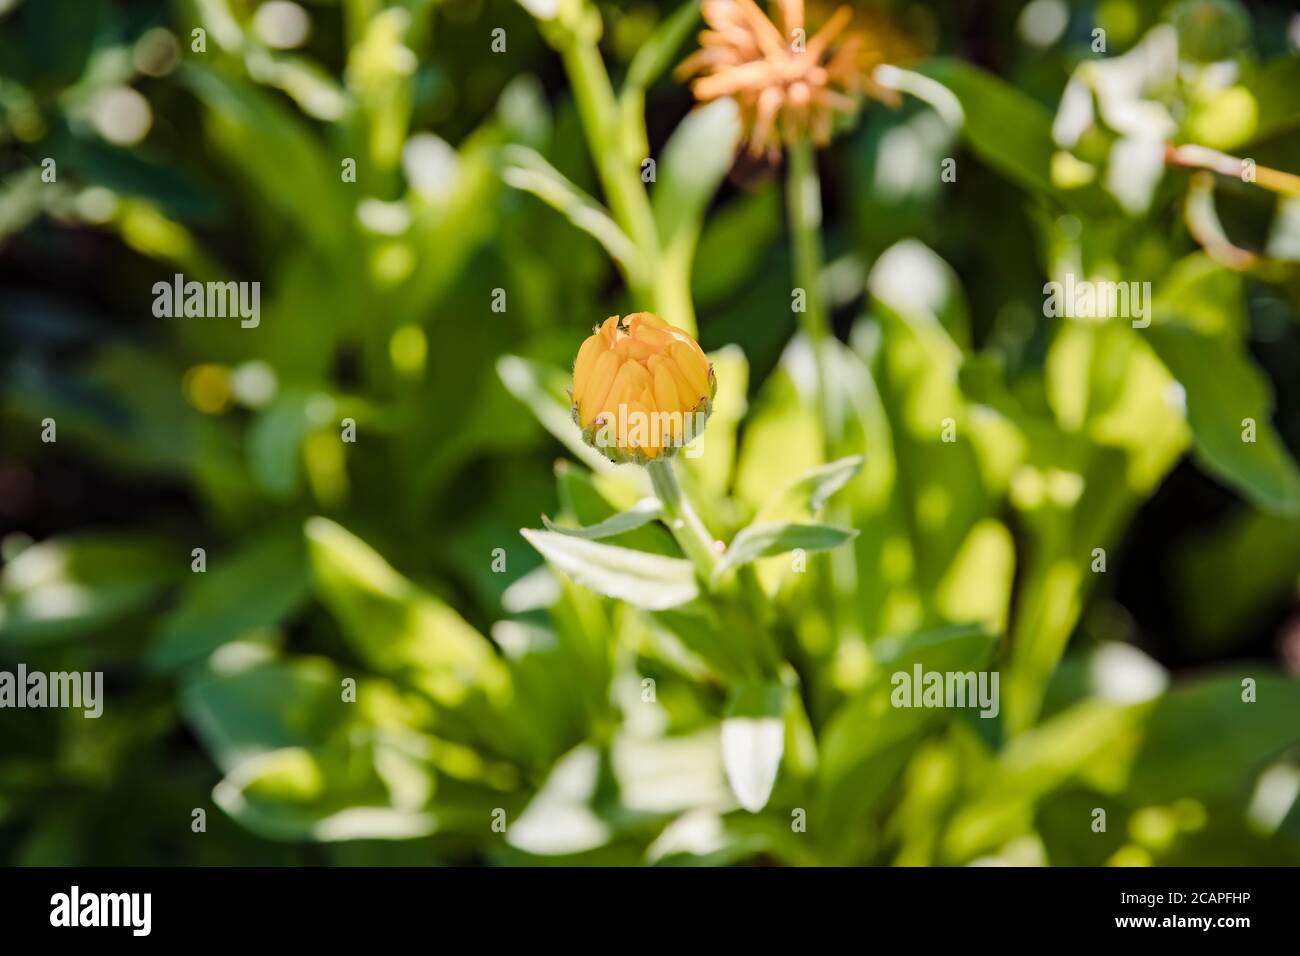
(490, 687)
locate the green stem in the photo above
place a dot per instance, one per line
(741, 604)
(804, 207)
(681, 518)
(605, 130)
(616, 139)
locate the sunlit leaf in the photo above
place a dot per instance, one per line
(766, 539)
(643, 512)
(753, 740)
(650, 581)
(396, 627)
(1229, 408)
(803, 498)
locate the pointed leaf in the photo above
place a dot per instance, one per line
(526, 170)
(804, 497)
(1224, 390)
(641, 513)
(650, 581)
(542, 389)
(657, 52)
(753, 741)
(765, 540)
(396, 627)
(695, 159)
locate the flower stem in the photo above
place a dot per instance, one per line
(608, 133)
(682, 520)
(804, 207)
(803, 201)
(741, 604)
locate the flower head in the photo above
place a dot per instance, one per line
(788, 86)
(641, 388)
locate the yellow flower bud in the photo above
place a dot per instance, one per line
(641, 388)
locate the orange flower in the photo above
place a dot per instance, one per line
(641, 388)
(788, 86)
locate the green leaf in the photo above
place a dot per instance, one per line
(262, 138)
(526, 170)
(641, 513)
(651, 581)
(1274, 89)
(753, 741)
(247, 703)
(369, 789)
(695, 160)
(764, 540)
(253, 589)
(276, 436)
(1089, 741)
(71, 587)
(447, 232)
(713, 466)
(976, 587)
(657, 53)
(120, 406)
(1259, 553)
(732, 245)
(1006, 128)
(589, 500)
(559, 819)
(802, 498)
(917, 284)
(782, 432)
(1203, 740)
(868, 741)
(543, 389)
(1224, 389)
(396, 627)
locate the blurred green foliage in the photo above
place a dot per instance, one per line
(502, 711)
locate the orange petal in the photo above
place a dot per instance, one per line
(791, 14)
(631, 380)
(830, 29)
(634, 349)
(609, 331)
(592, 399)
(586, 360)
(666, 395)
(638, 319)
(764, 30)
(694, 368)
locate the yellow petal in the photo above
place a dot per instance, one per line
(693, 366)
(679, 336)
(609, 331)
(667, 397)
(599, 383)
(635, 349)
(649, 319)
(657, 339)
(641, 425)
(584, 363)
(628, 383)
(686, 397)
